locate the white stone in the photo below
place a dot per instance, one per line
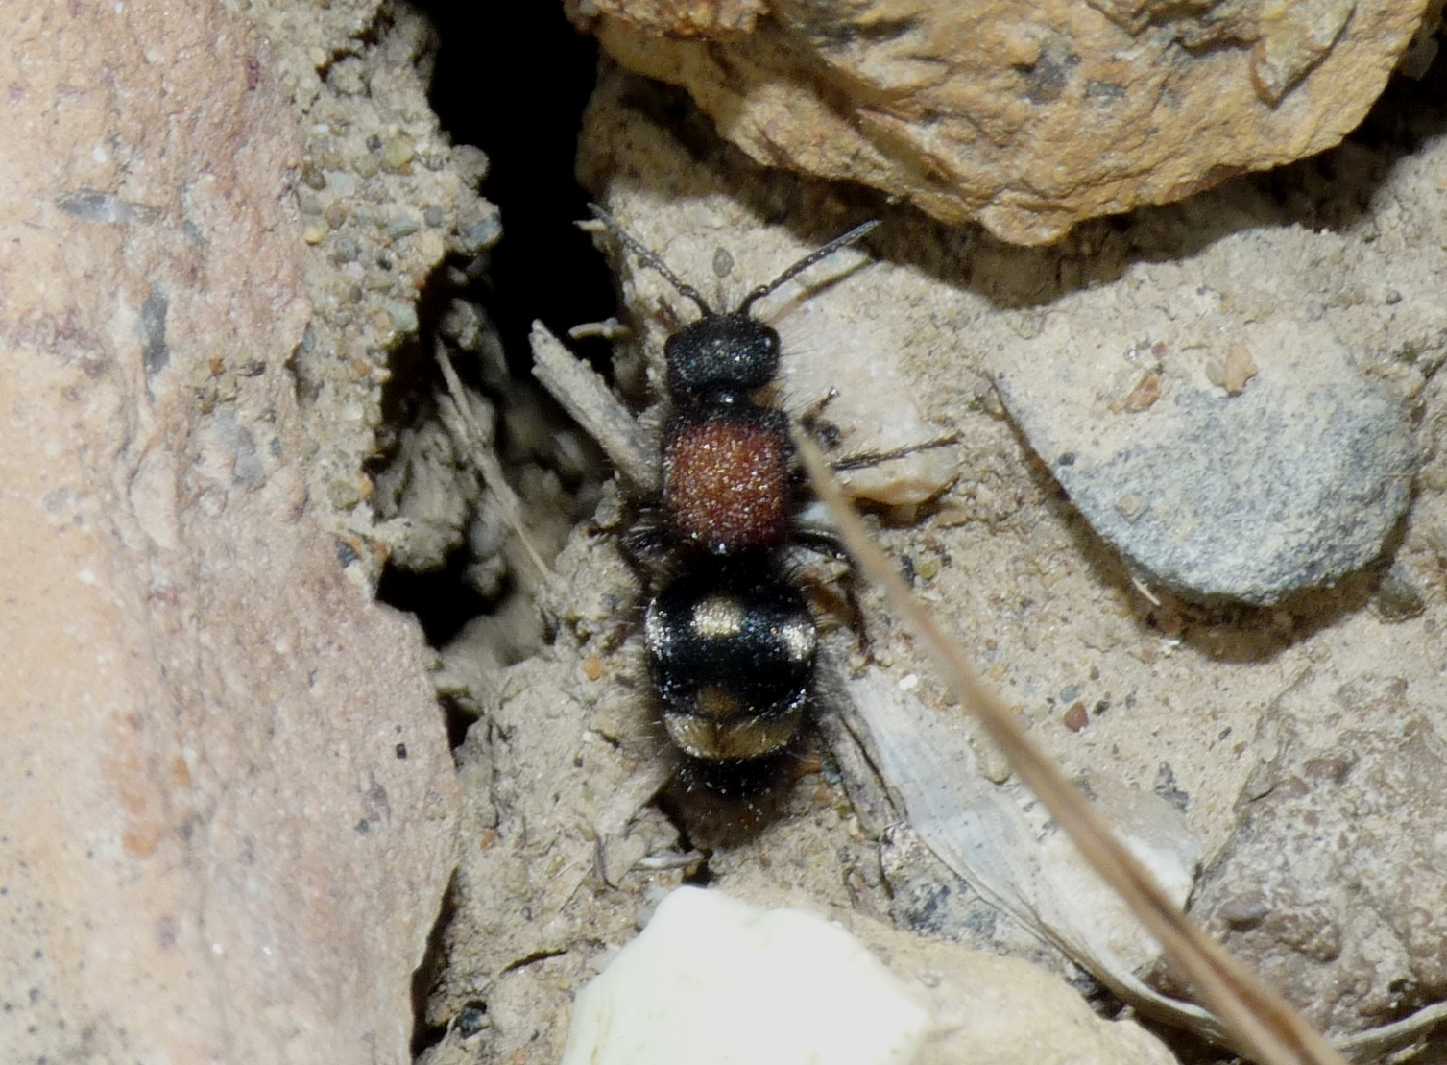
(715, 981)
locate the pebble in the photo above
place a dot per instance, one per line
(344, 249)
(403, 222)
(1291, 484)
(1333, 877)
(403, 315)
(312, 176)
(397, 152)
(481, 234)
(341, 184)
(807, 990)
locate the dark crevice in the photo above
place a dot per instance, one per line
(409, 395)
(544, 267)
(434, 959)
(530, 959)
(442, 599)
(457, 720)
(1408, 113)
(541, 268)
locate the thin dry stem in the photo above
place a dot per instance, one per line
(1263, 1024)
(590, 403)
(486, 463)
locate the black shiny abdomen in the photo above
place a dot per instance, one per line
(732, 650)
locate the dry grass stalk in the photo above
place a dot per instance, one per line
(1263, 1024)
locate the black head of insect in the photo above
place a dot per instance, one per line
(721, 354)
(724, 355)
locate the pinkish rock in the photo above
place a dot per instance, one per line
(229, 800)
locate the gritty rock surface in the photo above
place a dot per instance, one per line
(562, 850)
(1332, 885)
(1340, 256)
(990, 1008)
(384, 198)
(230, 806)
(1292, 483)
(1026, 117)
(697, 18)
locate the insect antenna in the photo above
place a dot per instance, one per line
(650, 258)
(841, 241)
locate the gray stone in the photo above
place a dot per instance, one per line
(1332, 885)
(1291, 484)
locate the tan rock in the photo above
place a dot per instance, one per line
(696, 18)
(229, 800)
(1028, 117)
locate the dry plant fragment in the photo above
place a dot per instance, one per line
(1259, 1021)
(1240, 368)
(473, 440)
(1145, 393)
(589, 402)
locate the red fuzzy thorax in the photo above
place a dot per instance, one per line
(726, 483)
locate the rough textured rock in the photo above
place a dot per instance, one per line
(698, 18)
(230, 804)
(1345, 251)
(1231, 411)
(553, 772)
(989, 1008)
(813, 992)
(1332, 886)
(384, 198)
(1027, 117)
(1291, 483)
